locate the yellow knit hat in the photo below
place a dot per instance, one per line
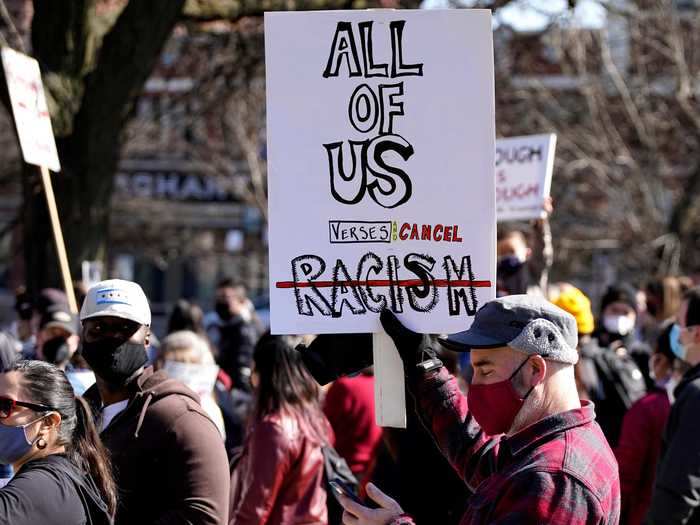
(577, 304)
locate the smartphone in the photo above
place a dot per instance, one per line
(340, 487)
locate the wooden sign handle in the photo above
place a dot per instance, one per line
(58, 238)
(389, 383)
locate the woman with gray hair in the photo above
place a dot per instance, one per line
(186, 356)
(8, 351)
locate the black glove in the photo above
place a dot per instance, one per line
(331, 356)
(417, 351)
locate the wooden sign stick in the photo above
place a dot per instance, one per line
(58, 238)
(389, 383)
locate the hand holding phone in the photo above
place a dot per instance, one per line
(340, 487)
(378, 509)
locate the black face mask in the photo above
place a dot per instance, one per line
(223, 310)
(56, 350)
(508, 265)
(114, 360)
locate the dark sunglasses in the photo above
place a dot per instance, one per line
(7, 406)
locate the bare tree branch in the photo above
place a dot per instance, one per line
(8, 26)
(232, 10)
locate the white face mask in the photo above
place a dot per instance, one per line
(247, 310)
(200, 378)
(246, 314)
(618, 324)
(521, 255)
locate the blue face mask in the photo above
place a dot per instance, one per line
(676, 346)
(14, 443)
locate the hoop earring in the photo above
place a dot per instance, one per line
(41, 444)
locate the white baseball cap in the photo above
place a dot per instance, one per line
(117, 298)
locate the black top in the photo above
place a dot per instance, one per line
(677, 483)
(46, 491)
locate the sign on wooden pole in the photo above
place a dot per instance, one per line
(37, 142)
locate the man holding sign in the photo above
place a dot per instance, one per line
(369, 203)
(524, 168)
(381, 202)
(521, 439)
(523, 261)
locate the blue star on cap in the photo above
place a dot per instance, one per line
(112, 296)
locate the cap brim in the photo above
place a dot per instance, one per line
(108, 313)
(465, 341)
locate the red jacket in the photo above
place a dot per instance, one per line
(559, 470)
(638, 452)
(349, 407)
(279, 477)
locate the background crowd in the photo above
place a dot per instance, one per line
(220, 422)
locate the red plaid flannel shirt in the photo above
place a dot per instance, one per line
(558, 471)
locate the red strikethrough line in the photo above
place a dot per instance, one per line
(441, 283)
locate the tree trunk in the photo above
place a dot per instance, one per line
(92, 83)
(89, 151)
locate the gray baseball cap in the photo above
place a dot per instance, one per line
(525, 323)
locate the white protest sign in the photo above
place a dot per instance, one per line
(523, 176)
(36, 142)
(30, 110)
(381, 169)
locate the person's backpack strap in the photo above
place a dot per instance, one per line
(336, 468)
(236, 456)
(626, 377)
(590, 370)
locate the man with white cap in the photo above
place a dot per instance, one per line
(523, 442)
(169, 461)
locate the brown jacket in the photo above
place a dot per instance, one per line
(278, 479)
(169, 459)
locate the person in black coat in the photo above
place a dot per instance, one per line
(676, 494)
(237, 333)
